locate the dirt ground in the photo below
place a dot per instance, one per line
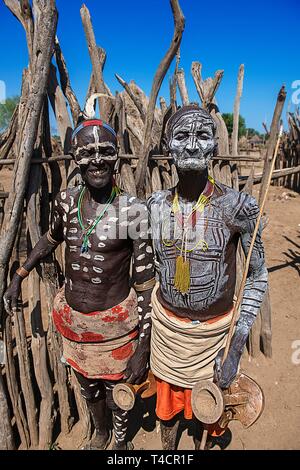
(278, 426)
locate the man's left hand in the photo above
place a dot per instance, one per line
(137, 367)
(225, 374)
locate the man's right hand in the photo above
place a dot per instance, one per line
(12, 294)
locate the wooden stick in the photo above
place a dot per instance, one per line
(242, 286)
(130, 156)
(105, 105)
(58, 103)
(236, 112)
(66, 84)
(163, 105)
(45, 29)
(6, 434)
(182, 87)
(13, 387)
(135, 98)
(272, 140)
(25, 375)
(38, 341)
(158, 79)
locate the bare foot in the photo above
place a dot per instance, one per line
(99, 441)
(122, 446)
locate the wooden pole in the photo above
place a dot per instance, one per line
(6, 435)
(242, 286)
(105, 105)
(45, 30)
(236, 112)
(272, 141)
(158, 79)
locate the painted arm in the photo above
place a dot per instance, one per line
(143, 277)
(43, 248)
(253, 295)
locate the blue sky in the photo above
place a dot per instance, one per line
(264, 35)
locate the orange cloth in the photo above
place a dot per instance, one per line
(172, 399)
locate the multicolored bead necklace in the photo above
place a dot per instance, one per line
(89, 229)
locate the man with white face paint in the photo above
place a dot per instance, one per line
(102, 314)
(196, 228)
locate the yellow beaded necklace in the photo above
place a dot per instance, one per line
(182, 279)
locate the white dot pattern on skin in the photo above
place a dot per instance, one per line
(73, 249)
(140, 269)
(65, 218)
(142, 245)
(140, 309)
(96, 280)
(75, 267)
(147, 325)
(140, 298)
(65, 231)
(85, 269)
(71, 201)
(97, 270)
(73, 211)
(55, 202)
(148, 315)
(74, 220)
(149, 249)
(65, 207)
(149, 266)
(101, 245)
(140, 257)
(72, 238)
(73, 230)
(99, 258)
(63, 195)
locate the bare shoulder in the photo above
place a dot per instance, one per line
(238, 207)
(131, 204)
(66, 199)
(158, 197)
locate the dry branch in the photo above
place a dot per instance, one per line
(272, 139)
(66, 84)
(182, 87)
(135, 98)
(236, 112)
(105, 105)
(6, 435)
(159, 76)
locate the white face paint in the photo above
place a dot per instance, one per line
(192, 142)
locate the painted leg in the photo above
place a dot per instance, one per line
(120, 419)
(120, 425)
(168, 431)
(101, 437)
(93, 391)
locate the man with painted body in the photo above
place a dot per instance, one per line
(104, 322)
(196, 228)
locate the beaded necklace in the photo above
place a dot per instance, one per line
(182, 278)
(88, 230)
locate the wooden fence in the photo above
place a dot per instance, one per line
(39, 395)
